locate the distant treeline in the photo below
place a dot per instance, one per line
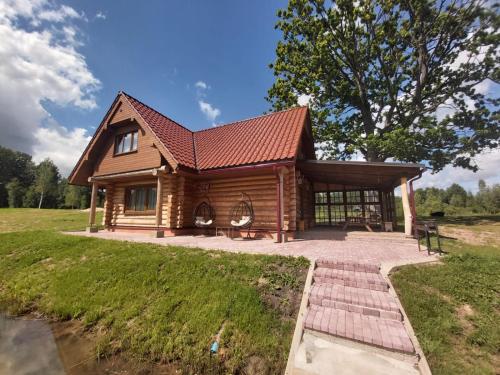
(24, 183)
(455, 200)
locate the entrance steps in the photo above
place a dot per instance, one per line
(350, 300)
(364, 301)
(356, 279)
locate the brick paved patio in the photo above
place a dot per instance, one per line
(375, 248)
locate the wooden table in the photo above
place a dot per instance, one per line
(357, 221)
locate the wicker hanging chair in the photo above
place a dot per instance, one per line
(204, 214)
(242, 215)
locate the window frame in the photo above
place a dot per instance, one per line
(333, 207)
(147, 210)
(134, 139)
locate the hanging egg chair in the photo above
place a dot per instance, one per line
(242, 215)
(204, 214)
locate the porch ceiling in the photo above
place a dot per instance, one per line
(359, 173)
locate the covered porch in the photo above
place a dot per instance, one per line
(355, 195)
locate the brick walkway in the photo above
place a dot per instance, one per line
(351, 300)
(375, 248)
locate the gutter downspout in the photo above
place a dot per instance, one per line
(279, 199)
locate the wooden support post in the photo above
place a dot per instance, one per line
(328, 203)
(382, 207)
(159, 204)
(406, 206)
(93, 201)
(108, 206)
(159, 200)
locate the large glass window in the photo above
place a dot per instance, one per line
(357, 206)
(321, 215)
(126, 142)
(140, 199)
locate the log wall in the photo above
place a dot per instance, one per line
(115, 204)
(181, 195)
(146, 156)
(225, 193)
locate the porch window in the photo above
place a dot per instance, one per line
(335, 207)
(126, 142)
(140, 200)
(321, 214)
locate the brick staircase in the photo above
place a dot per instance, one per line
(351, 300)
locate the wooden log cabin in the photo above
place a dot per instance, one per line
(157, 175)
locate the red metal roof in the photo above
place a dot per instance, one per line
(175, 137)
(271, 137)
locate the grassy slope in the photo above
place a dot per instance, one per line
(454, 307)
(164, 303)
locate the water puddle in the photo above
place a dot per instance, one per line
(35, 346)
(28, 347)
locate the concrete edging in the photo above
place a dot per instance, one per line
(299, 325)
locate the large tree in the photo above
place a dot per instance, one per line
(392, 78)
(47, 181)
(14, 164)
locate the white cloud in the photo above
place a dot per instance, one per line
(201, 85)
(41, 63)
(100, 15)
(488, 162)
(208, 110)
(304, 99)
(61, 145)
(60, 14)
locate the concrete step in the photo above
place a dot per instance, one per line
(363, 301)
(384, 333)
(347, 265)
(357, 279)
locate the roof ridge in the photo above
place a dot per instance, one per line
(249, 118)
(151, 108)
(193, 139)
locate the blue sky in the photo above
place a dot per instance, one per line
(201, 63)
(158, 51)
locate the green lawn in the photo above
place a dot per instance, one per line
(454, 306)
(21, 219)
(153, 302)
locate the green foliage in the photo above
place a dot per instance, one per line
(31, 198)
(46, 182)
(72, 196)
(15, 193)
(376, 73)
(14, 164)
(456, 201)
(38, 185)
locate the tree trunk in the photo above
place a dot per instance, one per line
(372, 155)
(41, 199)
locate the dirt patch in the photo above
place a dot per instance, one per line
(97, 209)
(282, 290)
(256, 366)
(436, 292)
(470, 236)
(464, 312)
